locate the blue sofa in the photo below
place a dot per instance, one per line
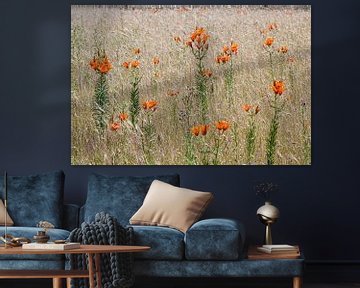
(32, 199)
(210, 248)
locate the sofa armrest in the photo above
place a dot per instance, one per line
(215, 239)
(71, 216)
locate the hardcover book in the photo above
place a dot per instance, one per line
(270, 249)
(51, 246)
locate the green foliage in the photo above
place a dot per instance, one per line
(101, 101)
(201, 91)
(134, 108)
(271, 140)
(250, 140)
(189, 150)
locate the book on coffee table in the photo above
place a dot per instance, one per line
(51, 246)
(282, 248)
(255, 254)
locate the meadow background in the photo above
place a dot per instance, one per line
(164, 136)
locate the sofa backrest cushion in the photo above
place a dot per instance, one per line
(120, 196)
(35, 198)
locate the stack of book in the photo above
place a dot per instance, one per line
(279, 249)
(282, 251)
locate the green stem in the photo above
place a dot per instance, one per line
(217, 148)
(134, 100)
(272, 137)
(101, 101)
(250, 140)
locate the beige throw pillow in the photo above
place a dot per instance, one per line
(9, 221)
(170, 206)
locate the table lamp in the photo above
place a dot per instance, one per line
(268, 214)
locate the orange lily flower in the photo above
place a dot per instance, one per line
(115, 126)
(222, 125)
(278, 87)
(234, 47)
(94, 64)
(269, 41)
(123, 116)
(272, 26)
(283, 49)
(246, 107)
(226, 49)
(195, 130)
(150, 104)
(135, 64)
(155, 60)
(203, 129)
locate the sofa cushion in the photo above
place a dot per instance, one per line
(165, 243)
(170, 206)
(9, 221)
(214, 239)
(29, 232)
(119, 196)
(35, 198)
(39, 264)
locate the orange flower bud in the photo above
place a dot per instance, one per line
(123, 116)
(115, 126)
(246, 107)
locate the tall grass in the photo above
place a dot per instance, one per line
(190, 87)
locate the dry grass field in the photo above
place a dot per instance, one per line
(246, 103)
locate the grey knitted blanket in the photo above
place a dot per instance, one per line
(116, 268)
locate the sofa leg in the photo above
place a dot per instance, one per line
(297, 282)
(57, 283)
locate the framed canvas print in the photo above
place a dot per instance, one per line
(191, 85)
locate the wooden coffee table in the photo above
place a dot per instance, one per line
(92, 251)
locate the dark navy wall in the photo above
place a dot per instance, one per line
(318, 203)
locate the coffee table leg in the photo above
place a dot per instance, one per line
(68, 282)
(297, 282)
(91, 270)
(98, 270)
(57, 283)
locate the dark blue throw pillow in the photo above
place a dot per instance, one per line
(120, 196)
(35, 198)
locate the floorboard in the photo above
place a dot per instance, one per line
(46, 283)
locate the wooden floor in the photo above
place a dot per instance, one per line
(45, 283)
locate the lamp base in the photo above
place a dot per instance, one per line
(268, 237)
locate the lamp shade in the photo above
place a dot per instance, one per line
(269, 211)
